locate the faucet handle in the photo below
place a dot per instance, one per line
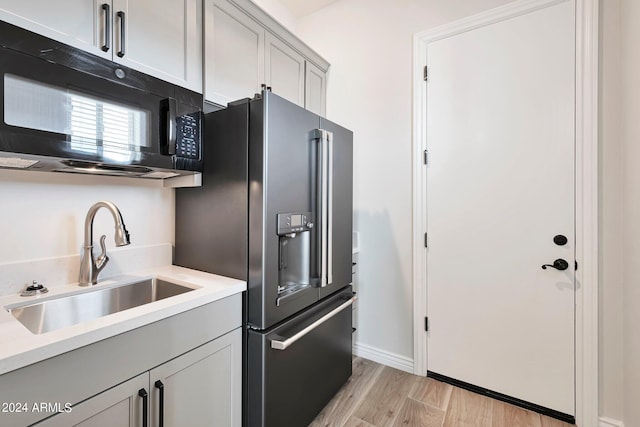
(102, 259)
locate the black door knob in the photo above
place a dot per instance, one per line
(558, 264)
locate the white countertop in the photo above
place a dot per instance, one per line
(20, 347)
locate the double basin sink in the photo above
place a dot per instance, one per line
(50, 314)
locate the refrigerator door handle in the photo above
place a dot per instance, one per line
(325, 206)
(329, 208)
(282, 345)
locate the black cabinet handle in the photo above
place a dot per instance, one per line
(558, 264)
(158, 384)
(107, 27)
(145, 406)
(121, 16)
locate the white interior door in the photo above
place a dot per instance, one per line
(500, 186)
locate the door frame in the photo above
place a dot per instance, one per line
(586, 189)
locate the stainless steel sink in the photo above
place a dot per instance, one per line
(63, 311)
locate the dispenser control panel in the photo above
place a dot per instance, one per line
(295, 222)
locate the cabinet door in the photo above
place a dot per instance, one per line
(162, 38)
(284, 70)
(315, 93)
(234, 53)
(202, 388)
(78, 23)
(120, 406)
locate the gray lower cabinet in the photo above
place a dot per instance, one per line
(199, 388)
(191, 362)
(120, 406)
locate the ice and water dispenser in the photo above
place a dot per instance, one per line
(294, 256)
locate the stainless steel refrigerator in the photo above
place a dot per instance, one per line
(275, 209)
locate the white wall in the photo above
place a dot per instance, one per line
(369, 46)
(630, 55)
(42, 214)
(611, 220)
(279, 12)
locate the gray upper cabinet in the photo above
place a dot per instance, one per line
(78, 23)
(315, 89)
(284, 70)
(234, 53)
(162, 38)
(245, 48)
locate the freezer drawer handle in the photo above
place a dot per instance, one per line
(282, 345)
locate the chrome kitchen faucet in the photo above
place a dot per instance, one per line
(90, 267)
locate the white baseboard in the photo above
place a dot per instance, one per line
(406, 364)
(608, 422)
(383, 357)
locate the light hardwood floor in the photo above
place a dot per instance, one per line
(379, 396)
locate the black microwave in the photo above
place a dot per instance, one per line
(67, 110)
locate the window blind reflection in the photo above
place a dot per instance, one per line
(93, 126)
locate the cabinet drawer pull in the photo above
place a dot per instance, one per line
(145, 406)
(158, 384)
(107, 27)
(121, 17)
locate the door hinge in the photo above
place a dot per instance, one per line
(425, 73)
(426, 157)
(425, 241)
(426, 324)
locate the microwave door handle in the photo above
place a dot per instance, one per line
(171, 125)
(106, 9)
(169, 108)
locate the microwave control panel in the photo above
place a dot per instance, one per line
(188, 137)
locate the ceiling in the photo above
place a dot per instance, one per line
(302, 8)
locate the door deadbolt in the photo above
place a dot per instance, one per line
(558, 264)
(560, 240)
